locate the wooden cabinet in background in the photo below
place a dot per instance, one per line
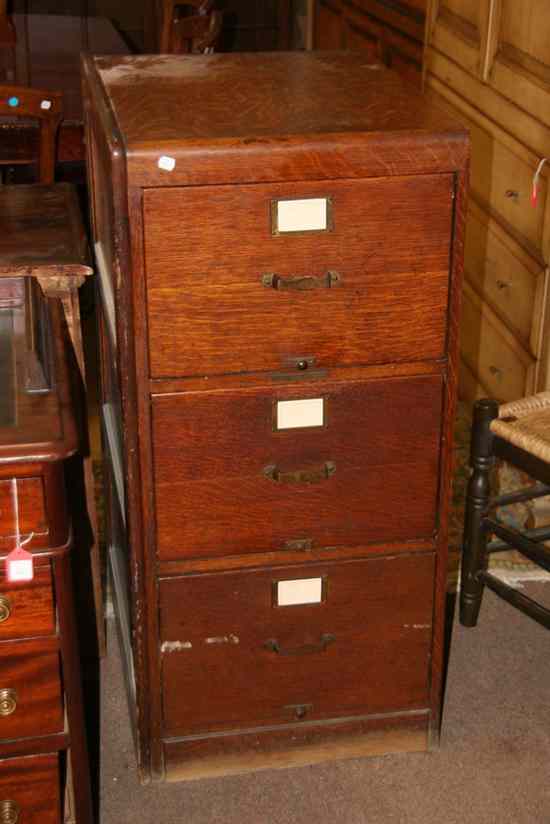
(264, 26)
(489, 63)
(42, 734)
(389, 33)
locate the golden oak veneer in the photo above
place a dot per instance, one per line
(278, 390)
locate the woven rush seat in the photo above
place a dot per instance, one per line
(526, 424)
(518, 433)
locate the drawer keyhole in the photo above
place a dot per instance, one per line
(299, 711)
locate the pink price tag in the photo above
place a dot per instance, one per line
(19, 565)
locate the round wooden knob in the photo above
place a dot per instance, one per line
(9, 812)
(8, 702)
(5, 608)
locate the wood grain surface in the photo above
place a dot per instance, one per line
(214, 629)
(290, 117)
(205, 347)
(294, 745)
(30, 605)
(33, 784)
(207, 250)
(211, 450)
(35, 676)
(30, 511)
(41, 232)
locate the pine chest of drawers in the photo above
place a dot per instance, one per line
(279, 243)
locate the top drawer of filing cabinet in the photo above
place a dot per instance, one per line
(240, 296)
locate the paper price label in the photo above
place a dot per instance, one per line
(19, 565)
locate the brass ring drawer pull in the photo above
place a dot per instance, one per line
(306, 649)
(5, 608)
(301, 283)
(8, 702)
(9, 812)
(301, 476)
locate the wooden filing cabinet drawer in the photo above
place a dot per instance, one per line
(30, 691)
(29, 790)
(27, 609)
(337, 483)
(30, 503)
(251, 652)
(210, 253)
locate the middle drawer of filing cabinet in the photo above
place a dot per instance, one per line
(229, 481)
(246, 648)
(27, 609)
(213, 260)
(30, 680)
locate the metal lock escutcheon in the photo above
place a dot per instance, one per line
(8, 701)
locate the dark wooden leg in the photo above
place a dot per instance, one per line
(477, 500)
(72, 677)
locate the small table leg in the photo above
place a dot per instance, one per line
(66, 288)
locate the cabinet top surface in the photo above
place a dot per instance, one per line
(247, 95)
(257, 101)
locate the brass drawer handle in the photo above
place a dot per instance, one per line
(8, 702)
(301, 476)
(9, 812)
(301, 284)
(5, 608)
(306, 649)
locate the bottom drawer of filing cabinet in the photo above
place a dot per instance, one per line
(301, 643)
(30, 691)
(29, 790)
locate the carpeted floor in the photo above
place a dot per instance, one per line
(492, 766)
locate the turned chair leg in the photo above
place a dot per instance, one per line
(477, 501)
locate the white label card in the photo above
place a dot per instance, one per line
(297, 414)
(308, 215)
(301, 591)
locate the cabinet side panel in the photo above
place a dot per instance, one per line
(449, 411)
(106, 160)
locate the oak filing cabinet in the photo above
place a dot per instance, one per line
(41, 706)
(279, 246)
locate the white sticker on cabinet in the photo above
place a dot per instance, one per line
(300, 591)
(308, 215)
(297, 414)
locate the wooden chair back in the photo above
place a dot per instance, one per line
(18, 106)
(7, 29)
(190, 27)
